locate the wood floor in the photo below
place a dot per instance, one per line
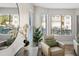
(69, 51)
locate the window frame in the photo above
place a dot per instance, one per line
(61, 26)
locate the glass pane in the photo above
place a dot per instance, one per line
(43, 20)
(4, 20)
(61, 24)
(56, 24)
(43, 25)
(15, 20)
(67, 25)
(44, 29)
(56, 18)
(67, 22)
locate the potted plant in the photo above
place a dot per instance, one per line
(37, 36)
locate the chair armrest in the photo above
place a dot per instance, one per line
(45, 48)
(61, 44)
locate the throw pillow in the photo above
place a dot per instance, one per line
(51, 42)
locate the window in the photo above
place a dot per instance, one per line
(44, 27)
(4, 20)
(56, 24)
(15, 20)
(61, 25)
(67, 24)
(8, 22)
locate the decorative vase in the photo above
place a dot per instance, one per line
(26, 43)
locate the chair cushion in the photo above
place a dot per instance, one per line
(51, 42)
(56, 51)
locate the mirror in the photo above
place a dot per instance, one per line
(9, 24)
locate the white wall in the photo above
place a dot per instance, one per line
(8, 11)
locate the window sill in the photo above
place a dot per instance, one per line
(62, 35)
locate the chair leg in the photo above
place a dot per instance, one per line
(42, 54)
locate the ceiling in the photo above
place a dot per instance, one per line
(58, 5)
(9, 5)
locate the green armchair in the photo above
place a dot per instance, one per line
(52, 51)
